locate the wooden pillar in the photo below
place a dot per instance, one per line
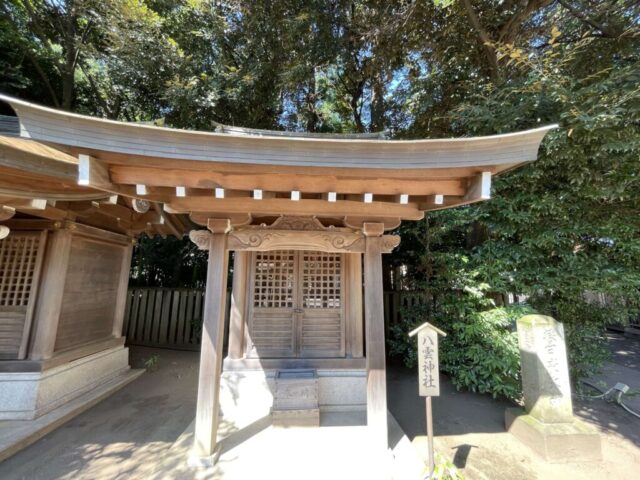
(123, 290)
(237, 318)
(353, 304)
(374, 334)
(207, 411)
(51, 291)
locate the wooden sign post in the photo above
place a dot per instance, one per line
(428, 375)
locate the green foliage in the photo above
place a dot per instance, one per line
(445, 470)
(152, 363)
(480, 352)
(169, 262)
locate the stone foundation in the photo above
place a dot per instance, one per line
(573, 441)
(28, 395)
(247, 396)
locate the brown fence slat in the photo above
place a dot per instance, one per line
(163, 335)
(182, 311)
(135, 310)
(142, 315)
(148, 322)
(197, 319)
(157, 313)
(127, 314)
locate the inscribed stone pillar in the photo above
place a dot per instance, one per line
(545, 372)
(547, 424)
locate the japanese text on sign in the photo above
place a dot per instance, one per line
(428, 371)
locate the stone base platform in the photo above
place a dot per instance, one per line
(18, 434)
(247, 396)
(555, 442)
(28, 395)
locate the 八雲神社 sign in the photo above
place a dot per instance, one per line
(428, 369)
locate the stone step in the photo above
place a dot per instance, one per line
(295, 400)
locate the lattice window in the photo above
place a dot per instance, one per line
(274, 279)
(18, 258)
(321, 280)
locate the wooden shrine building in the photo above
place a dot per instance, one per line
(305, 215)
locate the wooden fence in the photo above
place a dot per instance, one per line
(172, 318)
(165, 317)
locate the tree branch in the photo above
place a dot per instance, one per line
(485, 38)
(43, 76)
(589, 21)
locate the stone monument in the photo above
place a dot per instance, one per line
(547, 424)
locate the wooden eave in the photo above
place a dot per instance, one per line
(368, 178)
(38, 181)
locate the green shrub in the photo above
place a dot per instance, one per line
(480, 352)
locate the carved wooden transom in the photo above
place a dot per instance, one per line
(297, 223)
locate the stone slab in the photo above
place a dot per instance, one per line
(573, 441)
(296, 418)
(28, 395)
(18, 434)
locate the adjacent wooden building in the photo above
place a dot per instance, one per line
(306, 217)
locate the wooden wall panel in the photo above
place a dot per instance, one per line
(90, 292)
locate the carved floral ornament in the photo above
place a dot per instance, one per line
(265, 240)
(298, 223)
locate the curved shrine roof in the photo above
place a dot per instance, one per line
(258, 173)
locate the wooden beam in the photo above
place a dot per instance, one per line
(208, 403)
(479, 188)
(236, 220)
(121, 295)
(49, 302)
(305, 207)
(26, 155)
(375, 343)
(252, 178)
(93, 173)
(358, 222)
(353, 304)
(168, 221)
(237, 317)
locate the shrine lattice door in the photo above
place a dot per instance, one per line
(296, 305)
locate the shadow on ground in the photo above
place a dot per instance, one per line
(117, 437)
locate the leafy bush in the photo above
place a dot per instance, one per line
(480, 352)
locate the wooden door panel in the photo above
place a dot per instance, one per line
(322, 334)
(296, 305)
(322, 321)
(273, 299)
(272, 333)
